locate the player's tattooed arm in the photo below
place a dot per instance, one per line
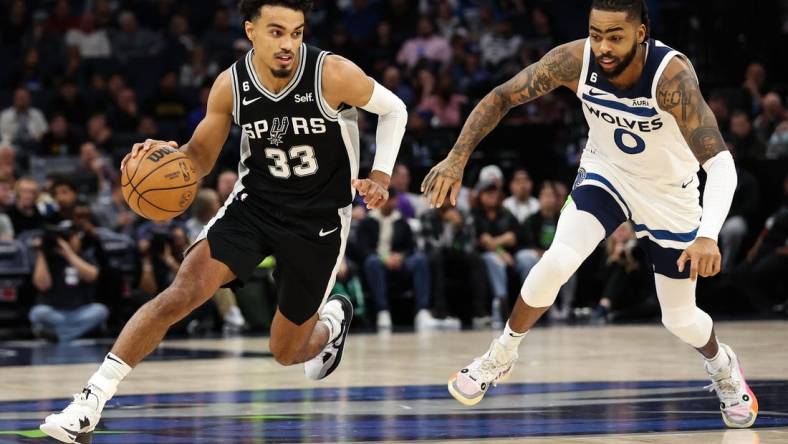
(678, 93)
(560, 66)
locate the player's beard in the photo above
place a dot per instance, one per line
(281, 73)
(625, 62)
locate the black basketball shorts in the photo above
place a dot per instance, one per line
(308, 249)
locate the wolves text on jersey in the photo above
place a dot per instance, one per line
(644, 126)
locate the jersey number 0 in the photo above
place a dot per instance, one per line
(281, 167)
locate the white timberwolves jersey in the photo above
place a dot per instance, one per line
(626, 127)
(636, 151)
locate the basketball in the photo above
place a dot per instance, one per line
(161, 185)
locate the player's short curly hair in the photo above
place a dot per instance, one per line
(250, 9)
(633, 8)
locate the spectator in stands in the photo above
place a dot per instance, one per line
(225, 184)
(500, 45)
(719, 106)
(198, 71)
(161, 246)
(94, 169)
(446, 21)
(496, 240)
(24, 214)
(425, 46)
(60, 140)
(410, 205)
(388, 247)
(773, 114)
(753, 87)
(534, 238)
(6, 193)
(450, 243)
(14, 23)
(383, 50)
(205, 206)
(442, 105)
(179, 43)
(125, 116)
(92, 42)
(778, 143)
(361, 19)
(627, 276)
(64, 192)
(9, 167)
(743, 138)
(219, 38)
(69, 103)
(132, 41)
(64, 276)
(99, 131)
(762, 276)
(6, 228)
(392, 80)
(21, 123)
(112, 211)
(169, 105)
(521, 203)
(61, 19)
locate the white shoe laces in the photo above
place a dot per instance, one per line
(727, 388)
(490, 369)
(81, 404)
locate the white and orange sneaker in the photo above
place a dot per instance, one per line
(469, 385)
(738, 404)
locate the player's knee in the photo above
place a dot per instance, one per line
(548, 275)
(690, 324)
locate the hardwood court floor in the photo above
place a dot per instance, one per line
(616, 384)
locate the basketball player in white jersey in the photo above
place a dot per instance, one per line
(649, 131)
(296, 106)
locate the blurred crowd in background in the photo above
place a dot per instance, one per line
(83, 80)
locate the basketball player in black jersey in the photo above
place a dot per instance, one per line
(296, 106)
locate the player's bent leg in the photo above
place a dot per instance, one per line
(577, 234)
(197, 280)
(293, 343)
(680, 315)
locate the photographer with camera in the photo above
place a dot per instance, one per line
(65, 276)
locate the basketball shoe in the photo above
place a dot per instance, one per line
(340, 310)
(80, 416)
(469, 385)
(738, 404)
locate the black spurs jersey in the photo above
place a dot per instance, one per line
(296, 152)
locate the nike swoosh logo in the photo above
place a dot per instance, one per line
(596, 94)
(684, 185)
(70, 432)
(326, 233)
(246, 102)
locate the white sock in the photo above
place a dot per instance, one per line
(107, 378)
(510, 339)
(328, 318)
(720, 362)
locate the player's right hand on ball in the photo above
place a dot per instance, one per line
(142, 148)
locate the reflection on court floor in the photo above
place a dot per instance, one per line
(404, 413)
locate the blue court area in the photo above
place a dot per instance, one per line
(402, 413)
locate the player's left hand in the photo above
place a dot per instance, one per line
(374, 190)
(704, 257)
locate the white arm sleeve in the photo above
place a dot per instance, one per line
(392, 118)
(717, 194)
